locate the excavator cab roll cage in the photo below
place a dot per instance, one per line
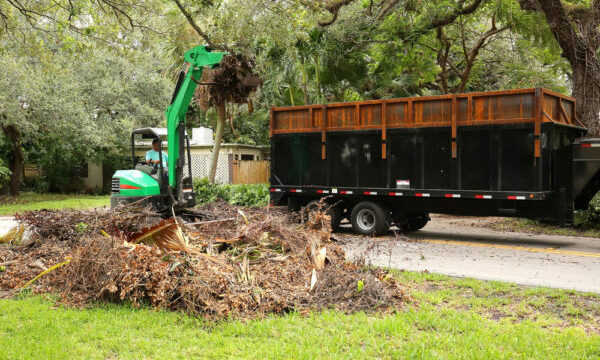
(160, 172)
(158, 133)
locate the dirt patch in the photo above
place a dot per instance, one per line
(519, 225)
(467, 221)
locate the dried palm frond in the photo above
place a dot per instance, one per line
(59, 265)
(320, 257)
(167, 235)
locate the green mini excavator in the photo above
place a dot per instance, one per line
(166, 187)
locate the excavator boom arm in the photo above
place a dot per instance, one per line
(198, 58)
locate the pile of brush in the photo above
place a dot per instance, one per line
(229, 261)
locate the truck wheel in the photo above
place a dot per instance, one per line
(369, 218)
(293, 204)
(334, 212)
(412, 222)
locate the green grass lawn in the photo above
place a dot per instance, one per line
(33, 201)
(538, 227)
(450, 318)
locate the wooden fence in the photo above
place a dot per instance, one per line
(251, 172)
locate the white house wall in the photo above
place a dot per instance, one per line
(94, 179)
(201, 160)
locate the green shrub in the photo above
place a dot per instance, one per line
(205, 191)
(38, 184)
(243, 194)
(594, 210)
(4, 174)
(248, 194)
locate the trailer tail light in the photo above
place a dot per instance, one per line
(516, 197)
(483, 196)
(421, 195)
(395, 194)
(455, 196)
(370, 192)
(322, 191)
(586, 145)
(345, 192)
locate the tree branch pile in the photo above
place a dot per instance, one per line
(228, 261)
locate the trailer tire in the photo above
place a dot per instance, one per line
(370, 218)
(293, 205)
(334, 212)
(412, 222)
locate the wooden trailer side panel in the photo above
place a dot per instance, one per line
(499, 107)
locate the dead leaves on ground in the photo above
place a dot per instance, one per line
(256, 262)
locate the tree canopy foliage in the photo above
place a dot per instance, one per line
(62, 106)
(79, 75)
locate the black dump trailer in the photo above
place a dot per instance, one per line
(515, 153)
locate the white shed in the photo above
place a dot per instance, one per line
(201, 146)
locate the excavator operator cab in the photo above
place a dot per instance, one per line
(141, 140)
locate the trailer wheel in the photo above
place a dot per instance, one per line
(293, 204)
(334, 212)
(369, 218)
(412, 222)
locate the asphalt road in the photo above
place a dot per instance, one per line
(454, 247)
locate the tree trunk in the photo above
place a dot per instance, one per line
(304, 81)
(586, 91)
(218, 138)
(576, 31)
(305, 92)
(317, 78)
(17, 161)
(291, 93)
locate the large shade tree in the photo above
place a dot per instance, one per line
(305, 51)
(575, 26)
(62, 107)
